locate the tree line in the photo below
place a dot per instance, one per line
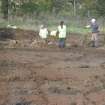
(73, 7)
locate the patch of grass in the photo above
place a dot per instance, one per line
(80, 30)
(33, 24)
(3, 23)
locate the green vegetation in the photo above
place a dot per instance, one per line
(83, 8)
(30, 13)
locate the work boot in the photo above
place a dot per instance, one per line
(92, 43)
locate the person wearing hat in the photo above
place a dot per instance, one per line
(95, 31)
(62, 34)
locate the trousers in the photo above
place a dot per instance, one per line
(61, 42)
(95, 39)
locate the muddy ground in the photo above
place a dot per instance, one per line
(51, 76)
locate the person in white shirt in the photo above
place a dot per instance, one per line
(62, 34)
(43, 32)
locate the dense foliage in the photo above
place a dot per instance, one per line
(36, 7)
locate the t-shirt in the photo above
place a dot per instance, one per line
(95, 28)
(62, 31)
(43, 33)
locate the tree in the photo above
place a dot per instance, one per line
(58, 5)
(100, 7)
(29, 7)
(4, 8)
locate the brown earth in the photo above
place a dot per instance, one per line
(51, 76)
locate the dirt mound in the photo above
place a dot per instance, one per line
(18, 38)
(17, 34)
(6, 34)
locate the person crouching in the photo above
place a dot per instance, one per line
(62, 34)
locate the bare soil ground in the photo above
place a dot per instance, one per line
(51, 76)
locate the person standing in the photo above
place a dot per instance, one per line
(62, 34)
(95, 32)
(43, 33)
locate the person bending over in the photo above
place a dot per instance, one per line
(43, 33)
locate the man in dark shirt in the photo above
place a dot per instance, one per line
(95, 31)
